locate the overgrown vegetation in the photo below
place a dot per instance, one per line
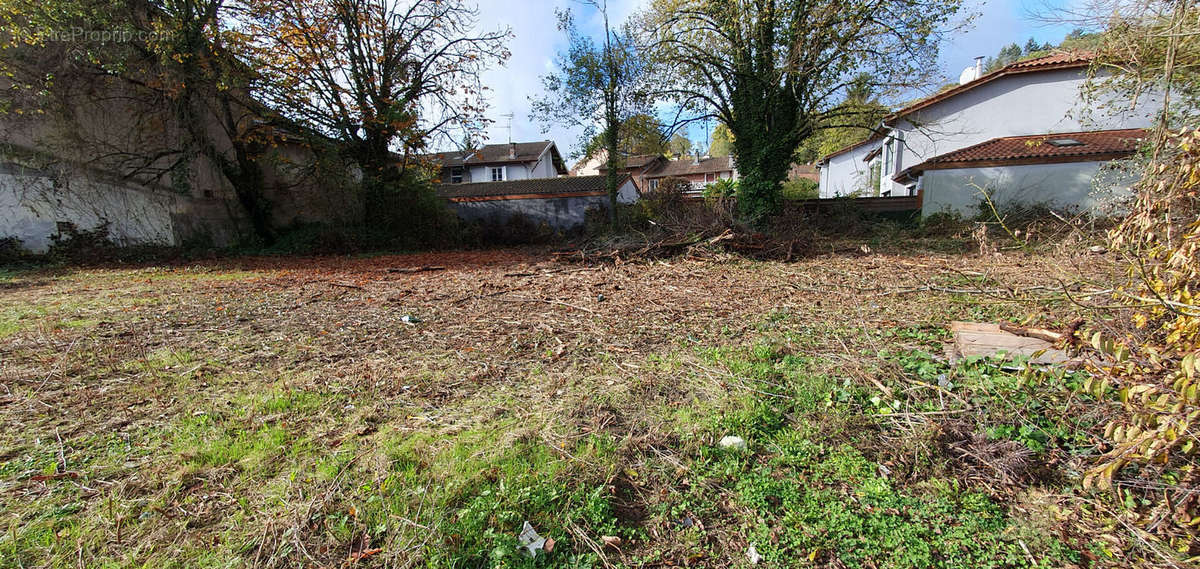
(350, 412)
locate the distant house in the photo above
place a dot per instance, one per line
(559, 203)
(1024, 133)
(500, 163)
(700, 172)
(638, 168)
(804, 172)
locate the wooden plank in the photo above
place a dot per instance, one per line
(973, 339)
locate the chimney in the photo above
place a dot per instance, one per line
(512, 151)
(696, 158)
(979, 67)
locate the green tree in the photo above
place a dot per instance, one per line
(680, 145)
(598, 88)
(1032, 46)
(774, 71)
(857, 118)
(639, 134)
(722, 141)
(1010, 53)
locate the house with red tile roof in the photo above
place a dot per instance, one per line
(1024, 133)
(699, 171)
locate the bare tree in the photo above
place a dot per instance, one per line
(377, 75)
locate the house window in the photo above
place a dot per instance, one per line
(456, 175)
(653, 184)
(498, 174)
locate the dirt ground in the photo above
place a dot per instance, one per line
(266, 411)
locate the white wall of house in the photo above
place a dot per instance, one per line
(846, 174)
(1076, 186)
(544, 167)
(1022, 104)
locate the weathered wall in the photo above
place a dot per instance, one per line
(34, 201)
(560, 213)
(1083, 186)
(563, 214)
(106, 151)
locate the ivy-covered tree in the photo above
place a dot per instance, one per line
(598, 88)
(774, 71)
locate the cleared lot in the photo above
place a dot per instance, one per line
(415, 410)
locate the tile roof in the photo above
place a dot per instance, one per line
(1061, 60)
(687, 166)
(1038, 149)
(499, 154)
(525, 188)
(634, 162)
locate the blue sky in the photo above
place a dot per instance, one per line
(536, 41)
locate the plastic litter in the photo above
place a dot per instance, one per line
(531, 542)
(731, 441)
(752, 555)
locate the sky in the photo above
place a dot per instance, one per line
(536, 41)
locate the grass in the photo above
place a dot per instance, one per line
(279, 413)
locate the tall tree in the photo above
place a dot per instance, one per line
(639, 134)
(775, 70)
(377, 75)
(1010, 53)
(857, 118)
(598, 88)
(680, 145)
(722, 141)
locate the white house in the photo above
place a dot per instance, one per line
(501, 163)
(1033, 105)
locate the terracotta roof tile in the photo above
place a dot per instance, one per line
(686, 166)
(1039, 148)
(635, 162)
(532, 186)
(498, 154)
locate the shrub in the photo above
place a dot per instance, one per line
(801, 189)
(406, 213)
(74, 245)
(724, 188)
(12, 251)
(1148, 374)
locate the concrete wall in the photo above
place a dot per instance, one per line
(1077, 186)
(559, 213)
(34, 202)
(1023, 104)
(106, 151)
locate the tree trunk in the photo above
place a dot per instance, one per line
(613, 162)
